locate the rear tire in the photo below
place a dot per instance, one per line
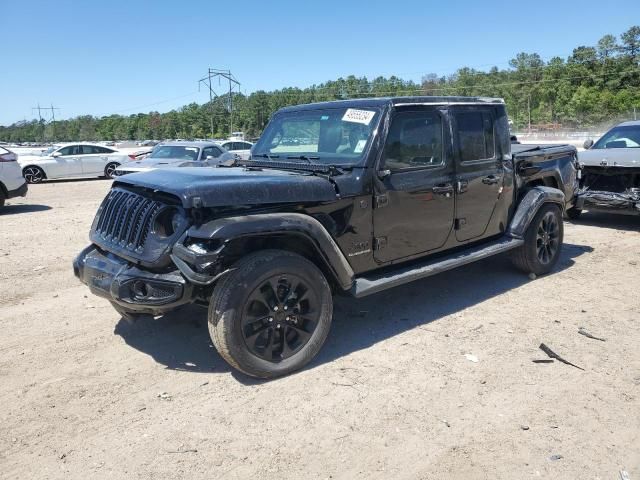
(1, 199)
(542, 242)
(33, 174)
(271, 314)
(110, 169)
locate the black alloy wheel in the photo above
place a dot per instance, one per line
(547, 237)
(280, 317)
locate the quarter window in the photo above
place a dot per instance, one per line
(414, 141)
(475, 135)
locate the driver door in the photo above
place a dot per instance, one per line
(414, 211)
(69, 162)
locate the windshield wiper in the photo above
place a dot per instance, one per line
(265, 155)
(303, 157)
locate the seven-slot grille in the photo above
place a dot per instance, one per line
(125, 219)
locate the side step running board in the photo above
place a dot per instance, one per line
(364, 286)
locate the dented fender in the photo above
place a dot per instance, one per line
(273, 224)
(529, 207)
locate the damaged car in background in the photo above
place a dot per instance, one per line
(611, 172)
(178, 154)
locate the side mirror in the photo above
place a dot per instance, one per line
(56, 154)
(587, 144)
(382, 174)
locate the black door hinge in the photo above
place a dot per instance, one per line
(460, 223)
(382, 201)
(379, 243)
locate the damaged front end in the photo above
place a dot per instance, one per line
(131, 260)
(610, 189)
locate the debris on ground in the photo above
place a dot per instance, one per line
(188, 450)
(164, 396)
(554, 355)
(624, 475)
(524, 427)
(582, 331)
(532, 276)
(553, 458)
(543, 361)
(471, 358)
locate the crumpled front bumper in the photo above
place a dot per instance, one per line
(621, 203)
(119, 281)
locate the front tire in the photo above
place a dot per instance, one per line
(271, 314)
(542, 242)
(33, 174)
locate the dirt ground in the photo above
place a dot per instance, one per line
(392, 394)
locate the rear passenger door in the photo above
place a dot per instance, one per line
(479, 170)
(94, 159)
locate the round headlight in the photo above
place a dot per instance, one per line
(167, 222)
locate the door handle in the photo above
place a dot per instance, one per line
(444, 189)
(490, 180)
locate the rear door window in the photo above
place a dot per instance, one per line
(476, 135)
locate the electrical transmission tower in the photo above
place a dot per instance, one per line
(53, 117)
(212, 74)
(53, 121)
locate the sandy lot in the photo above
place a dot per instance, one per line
(392, 395)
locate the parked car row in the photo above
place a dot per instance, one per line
(95, 160)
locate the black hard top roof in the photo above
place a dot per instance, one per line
(389, 101)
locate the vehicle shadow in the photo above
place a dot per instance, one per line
(180, 340)
(23, 208)
(609, 220)
(70, 180)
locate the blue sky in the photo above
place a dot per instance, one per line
(103, 57)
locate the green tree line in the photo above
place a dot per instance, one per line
(595, 86)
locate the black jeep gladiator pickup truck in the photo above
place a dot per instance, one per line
(349, 197)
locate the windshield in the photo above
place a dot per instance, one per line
(620, 137)
(48, 151)
(337, 136)
(175, 151)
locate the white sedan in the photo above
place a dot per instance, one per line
(238, 147)
(72, 161)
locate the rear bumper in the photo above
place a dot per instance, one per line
(134, 289)
(18, 192)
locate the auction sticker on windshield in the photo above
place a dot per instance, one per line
(358, 116)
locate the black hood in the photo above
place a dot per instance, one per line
(234, 186)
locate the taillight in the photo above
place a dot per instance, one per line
(8, 157)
